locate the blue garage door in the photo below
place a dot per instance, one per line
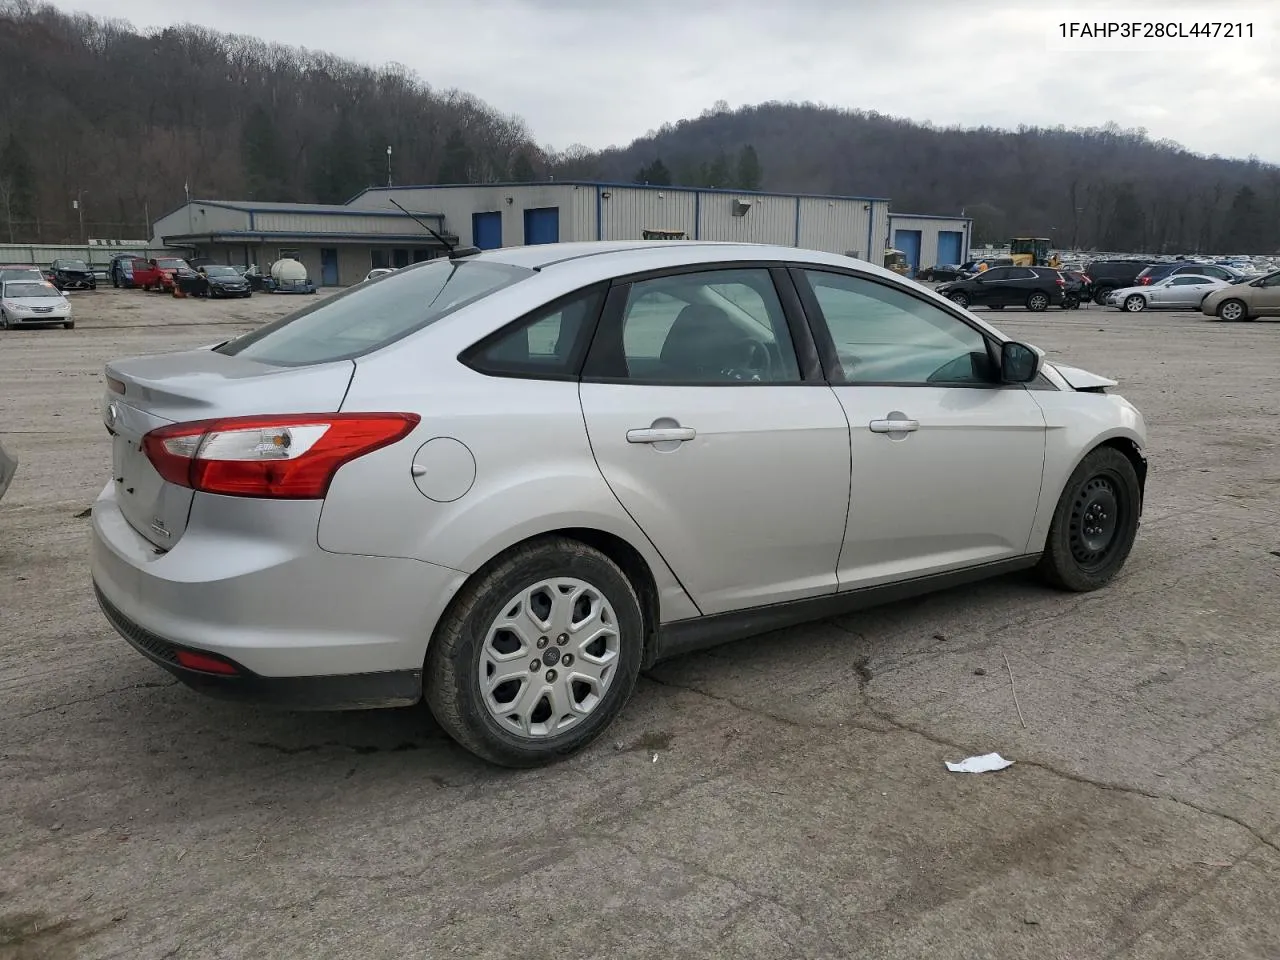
(328, 267)
(950, 243)
(908, 241)
(486, 230)
(542, 225)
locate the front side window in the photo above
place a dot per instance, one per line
(885, 335)
(717, 327)
(547, 343)
(367, 317)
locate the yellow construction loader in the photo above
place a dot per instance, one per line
(1032, 252)
(896, 261)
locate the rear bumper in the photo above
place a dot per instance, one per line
(248, 582)
(358, 691)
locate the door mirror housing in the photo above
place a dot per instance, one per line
(1020, 362)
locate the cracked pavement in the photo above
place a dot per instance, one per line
(783, 796)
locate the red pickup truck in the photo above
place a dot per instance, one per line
(158, 272)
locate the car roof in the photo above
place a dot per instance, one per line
(620, 257)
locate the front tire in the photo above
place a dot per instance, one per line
(961, 300)
(69, 325)
(1094, 524)
(1232, 310)
(1135, 303)
(537, 654)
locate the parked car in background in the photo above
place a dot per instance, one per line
(974, 267)
(1259, 297)
(32, 303)
(1183, 291)
(940, 272)
(1078, 290)
(223, 281)
(21, 271)
(120, 270)
(69, 274)
(1036, 288)
(1160, 271)
(158, 273)
(1109, 275)
(510, 481)
(8, 467)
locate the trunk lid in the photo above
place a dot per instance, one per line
(196, 385)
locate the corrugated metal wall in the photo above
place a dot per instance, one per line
(198, 218)
(839, 226)
(767, 220)
(280, 222)
(576, 203)
(627, 213)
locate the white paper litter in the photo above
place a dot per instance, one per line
(982, 764)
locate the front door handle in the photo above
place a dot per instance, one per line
(661, 434)
(894, 426)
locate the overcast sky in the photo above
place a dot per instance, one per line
(601, 72)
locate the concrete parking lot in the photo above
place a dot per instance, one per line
(781, 797)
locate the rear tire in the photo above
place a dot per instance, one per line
(1094, 524)
(470, 645)
(1038, 302)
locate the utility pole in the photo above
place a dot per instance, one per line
(78, 204)
(388, 164)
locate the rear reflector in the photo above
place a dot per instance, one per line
(205, 662)
(292, 457)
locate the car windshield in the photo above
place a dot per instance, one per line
(72, 265)
(366, 318)
(220, 272)
(29, 288)
(169, 263)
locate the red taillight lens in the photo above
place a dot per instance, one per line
(205, 662)
(279, 457)
(1144, 281)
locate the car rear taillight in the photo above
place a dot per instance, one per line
(278, 457)
(1144, 281)
(1061, 282)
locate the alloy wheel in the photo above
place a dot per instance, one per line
(548, 658)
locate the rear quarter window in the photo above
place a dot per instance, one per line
(370, 316)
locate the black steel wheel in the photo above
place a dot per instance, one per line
(1094, 524)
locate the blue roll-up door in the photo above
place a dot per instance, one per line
(950, 243)
(328, 267)
(486, 230)
(542, 225)
(908, 241)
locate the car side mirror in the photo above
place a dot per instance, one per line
(1020, 362)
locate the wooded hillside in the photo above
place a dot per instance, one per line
(119, 120)
(1108, 189)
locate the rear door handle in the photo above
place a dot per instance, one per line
(894, 426)
(660, 434)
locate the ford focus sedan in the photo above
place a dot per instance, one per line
(507, 482)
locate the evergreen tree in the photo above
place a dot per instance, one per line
(522, 168)
(749, 174)
(265, 166)
(655, 174)
(458, 160)
(717, 173)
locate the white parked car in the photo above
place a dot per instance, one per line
(1182, 291)
(508, 481)
(31, 303)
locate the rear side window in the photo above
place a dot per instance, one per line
(371, 316)
(548, 343)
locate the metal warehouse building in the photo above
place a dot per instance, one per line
(514, 214)
(931, 240)
(337, 244)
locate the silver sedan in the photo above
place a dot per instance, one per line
(506, 482)
(1183, 291)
